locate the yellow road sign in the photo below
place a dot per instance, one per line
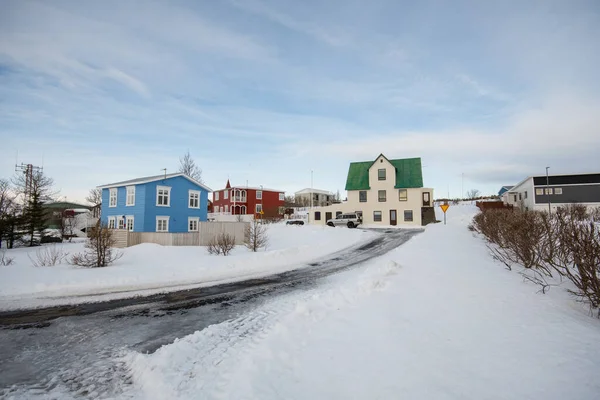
(444, 207)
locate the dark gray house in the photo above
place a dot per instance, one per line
(539, 192)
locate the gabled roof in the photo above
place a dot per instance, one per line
(408, 173)
(317, 191)
(66, 205)
(148, 179)
(244, 187)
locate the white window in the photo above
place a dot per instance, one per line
(162, 224)
(258, 208)
(226, 194)
(259, 194)
(216, 196)
(539, 192)
(163, 196)
(129, 223)
(216, 209)
(194, 199)
(193, 224)
(121, 222)
(113, 198)
(557, 190)
(549, 191)
(112, 224)
(281, 196)
(402, 194)
(226, 208)
(130, 200)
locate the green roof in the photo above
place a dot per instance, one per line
(408, 174)
(66, 204)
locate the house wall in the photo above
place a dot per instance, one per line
(521, 196)
(178, 210)
(270, 201)
(145, 210)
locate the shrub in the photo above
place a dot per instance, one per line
(50, 239)
(47, 256)
(99, 250)
(255, 236)
(222, 244)
(4, 260)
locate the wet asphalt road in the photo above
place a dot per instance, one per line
(77, 347)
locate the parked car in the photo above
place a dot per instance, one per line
(351, 220)
(295, 222)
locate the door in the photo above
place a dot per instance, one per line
(426, 200)
(327, 216)
(393, 217)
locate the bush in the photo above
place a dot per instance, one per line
(47, 256)
(222, 244)
(255, 236)
(99, 250)
(566, 242)
(50, 239)
(4, 260)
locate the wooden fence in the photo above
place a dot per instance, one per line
(206, 232)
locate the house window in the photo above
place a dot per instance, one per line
(193, 224)
(112, 224)
(130, 199)
(377, 216)
(515, 198)
(362, 196)
(525, 195)
(338, 213)
(381, 174)
(226, 208)
(520, 197)
(121, 223)
(408, 215)
(129, 223)
(259, 194)
(216, 196)
(402, 194)
(226, 194)
(216, 209)
(113, 198)
(557, 190)
(549, 191)
(258, 208)
(381, 195)
(162, 224)
(317, 215)
(539, 192)
(163, 196)
(281, 197)
(194, 199)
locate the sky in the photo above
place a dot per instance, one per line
(265, 91)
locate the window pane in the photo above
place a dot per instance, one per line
(402, 194)
(381, 174)
(557, 190)
(408, 215)
(317, 215)
(381, 194)
(377, 216)
(362, 196)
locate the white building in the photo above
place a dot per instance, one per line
(384, 192)
(318, 197)
(537, 192)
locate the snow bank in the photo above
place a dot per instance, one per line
(154, 267)
(434, 319)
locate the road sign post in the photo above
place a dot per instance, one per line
(444, 208)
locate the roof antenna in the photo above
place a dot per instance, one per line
(164, 169)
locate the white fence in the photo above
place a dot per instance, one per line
(228, 217)
(206, 232)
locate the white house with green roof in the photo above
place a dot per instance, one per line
(385, 192)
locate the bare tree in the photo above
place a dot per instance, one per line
(473, 194)
(223, 243)
(99, 250)
(255, 236)
(188, 166)
(36, 191)
(7, 199)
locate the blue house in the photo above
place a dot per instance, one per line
(164, 203)
(503, 190)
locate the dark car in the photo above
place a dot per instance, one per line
(295, 222)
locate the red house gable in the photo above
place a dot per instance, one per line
(247, 200)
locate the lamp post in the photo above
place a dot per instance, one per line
(548, 189)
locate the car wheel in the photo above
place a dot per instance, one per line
(350, 225)
(330, 224)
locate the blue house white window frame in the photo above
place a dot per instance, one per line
(162, 223)
(163, 196)
(112, 199)
(129, 223)
(194, 199)
(193, 224)
(130, 196)
(112, 222)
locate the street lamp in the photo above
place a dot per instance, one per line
(548, 189)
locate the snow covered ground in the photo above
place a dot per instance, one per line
(434, 319)
(150, 268)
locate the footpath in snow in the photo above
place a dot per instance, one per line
(434, 319)
(150, 268)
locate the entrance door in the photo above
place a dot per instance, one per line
(327, 216)
(393, 217)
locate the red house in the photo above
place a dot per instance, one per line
(245, 200)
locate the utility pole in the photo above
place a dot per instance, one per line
(28, 169)
(548, 189)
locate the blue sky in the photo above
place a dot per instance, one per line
(266, 91)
